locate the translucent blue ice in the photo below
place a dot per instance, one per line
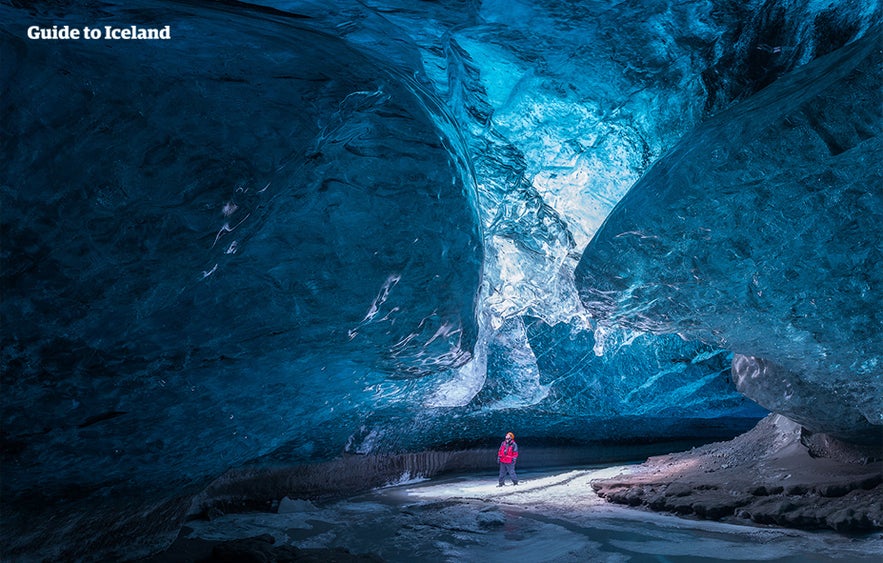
(219, 244)
(761, 232)
(304, 228)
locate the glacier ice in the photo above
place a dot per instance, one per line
(188, 232)
(760, 231)
(467, 518)
(300, 228)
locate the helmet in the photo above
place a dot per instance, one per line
(510, 435)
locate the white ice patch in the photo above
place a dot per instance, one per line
(609, 340)
(501, 73)
(505, 299)
(374, 309)
(362, 442)
(465, 382)
(525, 388)
(406, 479)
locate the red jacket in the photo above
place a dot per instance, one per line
(508, 452)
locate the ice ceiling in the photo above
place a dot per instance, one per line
(298, 229)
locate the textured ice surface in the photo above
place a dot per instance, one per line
(319, 227)
(761, 232)
(254, 225)
(206, 252)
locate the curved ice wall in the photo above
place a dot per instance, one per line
(298, 229)
(761, 231)
(212, 242)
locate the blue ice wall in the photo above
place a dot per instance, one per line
(302, 228)
(761, 231)
(212, 242)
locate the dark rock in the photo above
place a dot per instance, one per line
(762, 491)
(712, 510)
(633, 496)
(827, 446)
(870, 482)
(773, 480)
(678, 490)
(848, 520)
(658, 503)
(833, 489)
(677, 504)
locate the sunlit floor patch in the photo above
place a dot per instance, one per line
(566, 489)
(551, 516)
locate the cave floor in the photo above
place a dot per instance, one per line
(552, 515)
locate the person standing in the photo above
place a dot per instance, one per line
(506, 457)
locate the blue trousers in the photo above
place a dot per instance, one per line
(508, 469)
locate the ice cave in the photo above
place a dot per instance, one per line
(278, 276)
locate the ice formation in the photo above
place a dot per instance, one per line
(760, 232)
(297, 229)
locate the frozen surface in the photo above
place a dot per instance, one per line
(761, 232)
(304, 228)
(210, 256)
(194, 240)
(549, 516)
